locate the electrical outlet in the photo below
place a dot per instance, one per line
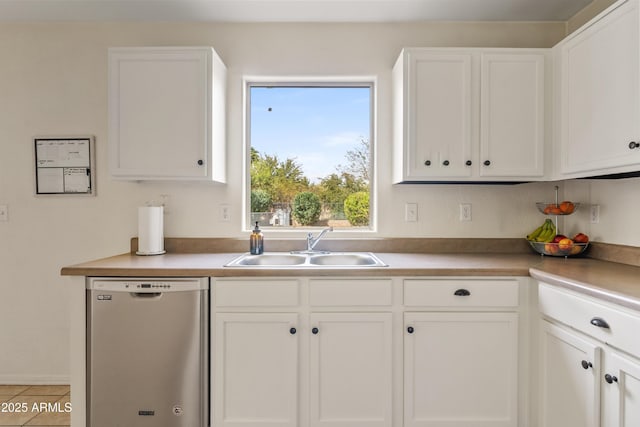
(595, 214)
(225, 214)
(411, 212)
(4, 213)
(465, 211)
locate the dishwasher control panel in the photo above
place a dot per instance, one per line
(144, 285)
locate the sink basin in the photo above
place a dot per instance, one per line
(308, 260)
(346, 259)
(272, 259)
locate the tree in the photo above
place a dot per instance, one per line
(260, 201)
(282, 180)
(356, 208)
(358, 161)
(306, 208)
(334, 189)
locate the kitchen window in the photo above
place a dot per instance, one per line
(309, 155)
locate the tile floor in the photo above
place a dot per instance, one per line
(34, 405)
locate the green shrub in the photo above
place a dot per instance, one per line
(306, 208)
(356, 208)
(260, 201)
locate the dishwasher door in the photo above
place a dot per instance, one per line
(147, 352)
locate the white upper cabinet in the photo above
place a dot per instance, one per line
(433, 108)
(599, 106)
(512, 115)
(167, 114)
(469, 115)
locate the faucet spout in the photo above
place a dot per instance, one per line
(313, 241)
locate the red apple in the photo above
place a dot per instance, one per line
(581, 238)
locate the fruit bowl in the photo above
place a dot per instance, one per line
(556, 249)
(562, 208)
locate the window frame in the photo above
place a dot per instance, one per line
(311, 82)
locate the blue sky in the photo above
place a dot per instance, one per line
(316, 126)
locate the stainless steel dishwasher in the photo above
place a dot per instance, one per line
(147, 352)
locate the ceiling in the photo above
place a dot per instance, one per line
(290, 10)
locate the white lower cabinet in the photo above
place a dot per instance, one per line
(302, 352)
(257, 371)
(350, 370)
(569, 380)
(621, 391)
(337, 352)
(585, 380)
(461, 369)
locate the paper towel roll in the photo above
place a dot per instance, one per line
(150, 230)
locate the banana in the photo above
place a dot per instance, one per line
(549, 232)
(545, 233)
(535, 233)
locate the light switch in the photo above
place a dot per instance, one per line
(411, 212)
(465, 211)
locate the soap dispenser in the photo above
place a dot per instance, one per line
(256, 241)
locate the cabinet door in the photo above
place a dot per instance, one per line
(439, 115)
(351, 365)
(256, 370)
(570, 379)
(461, 370)
(600, 98)
(621, 391)
(512, 115)
(161, 112)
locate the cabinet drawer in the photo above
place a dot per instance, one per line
(579, 311)
(461, 293)
(350, 292)
(256, 293)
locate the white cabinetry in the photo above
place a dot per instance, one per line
(350, 370)
(166, 114)
(570, 379)
(461, 367)
(590, 366)
(599, 112)
(257, 369)
(281, 359)
(621, 391)
(337, 352)
(469, 115)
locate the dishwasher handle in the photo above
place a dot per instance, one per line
(148, 295)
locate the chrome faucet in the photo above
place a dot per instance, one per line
(313, 241)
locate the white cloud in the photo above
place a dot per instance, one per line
(341, 139)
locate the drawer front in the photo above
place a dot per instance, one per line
(579, 311)
(350, 292)
(461, 293)
(256, 293)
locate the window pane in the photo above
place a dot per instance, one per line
(310, 155)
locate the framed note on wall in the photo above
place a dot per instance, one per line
(65, 165)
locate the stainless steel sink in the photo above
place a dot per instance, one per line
(308, 260)
(347, 259)
(268, 260)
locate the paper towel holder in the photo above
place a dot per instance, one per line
(150, 230)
